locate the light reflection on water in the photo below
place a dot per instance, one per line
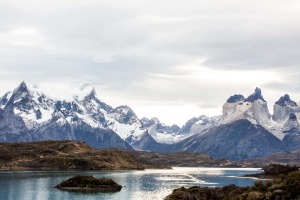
(145, 185)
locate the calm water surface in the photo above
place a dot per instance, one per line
(137, 185)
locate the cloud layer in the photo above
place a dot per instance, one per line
(155, 55)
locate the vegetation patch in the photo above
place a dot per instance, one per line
(275, 170)
(65, 155)
(284, 186)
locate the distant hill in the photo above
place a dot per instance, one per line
(181, 159)
(64, 155)
(291, 158)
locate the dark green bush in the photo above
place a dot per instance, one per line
(276, 169)
(293, 185)
(284, 187)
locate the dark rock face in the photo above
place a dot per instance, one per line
(255, 96)
(147, 143)
(235, 98)
(285, 101)
(175, 128)
(89, 183)
(239, 140)
(292, 139)
(293, 117)
(4, 99)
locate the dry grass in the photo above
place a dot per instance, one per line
(64, 155)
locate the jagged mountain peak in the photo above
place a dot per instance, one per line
(124, 108)
(125, 115)
(155, 119)
(85, 90)
(255, 96)
(286, 101)
(235, 98)
(22, 85)
(146, 122)
(254, 109)
(284, 107)
(22, 88)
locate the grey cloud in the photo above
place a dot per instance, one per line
(207, 105)
(124, 45)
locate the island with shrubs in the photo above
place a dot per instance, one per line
(89, 184)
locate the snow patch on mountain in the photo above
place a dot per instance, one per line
(254, 109)
(162, 133)
(284, 107)
(125, 130)
(200, 124)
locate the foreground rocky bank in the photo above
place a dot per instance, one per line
(89, 184)
(284, 186)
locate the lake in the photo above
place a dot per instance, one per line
(144, 185)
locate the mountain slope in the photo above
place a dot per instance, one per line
(147, 143)
(284, 158)
(238, 140)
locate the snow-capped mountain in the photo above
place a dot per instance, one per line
(254, 108)
(161, 132)
(29, 111)
(147, 143)
(238, 140)
(245, 130)
(27, 114)
(197, 125)
(284, 107)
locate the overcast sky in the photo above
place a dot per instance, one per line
(171, 59)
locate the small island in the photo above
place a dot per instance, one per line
(89, 184)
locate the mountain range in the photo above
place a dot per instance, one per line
(245, 130)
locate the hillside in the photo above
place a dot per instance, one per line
(291, 158)
(64, 155)
(181, 159)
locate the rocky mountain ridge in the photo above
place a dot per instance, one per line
(245, 130)
(28, 114)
